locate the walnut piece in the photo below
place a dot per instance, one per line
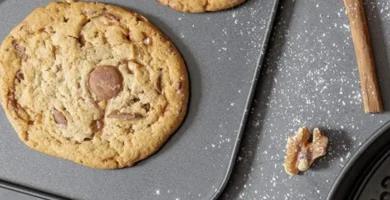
(301, 154)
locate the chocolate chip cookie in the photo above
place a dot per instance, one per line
(197, 6)
(93, 83)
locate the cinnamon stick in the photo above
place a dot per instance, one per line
(365, 56)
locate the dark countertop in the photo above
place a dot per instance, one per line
(309, 78)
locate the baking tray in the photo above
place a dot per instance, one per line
(223, 52)
(367, 173)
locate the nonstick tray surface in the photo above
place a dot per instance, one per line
(223, 52)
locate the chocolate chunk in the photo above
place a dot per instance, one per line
(158, 85)
(59, 117)
(139, 19)
(65, 19)
(146, 107)
(81, 40)
(19, 111)
(128, 37)
(97, 125)
(119, 115)
(41, 30)
(12, 104)
(105, 82)
(20, 76)
(19, 48)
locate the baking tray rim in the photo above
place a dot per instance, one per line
(366, 148)
(264, 45)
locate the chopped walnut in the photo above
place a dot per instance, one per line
(301, 154)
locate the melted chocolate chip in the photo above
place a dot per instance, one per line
(105, 82)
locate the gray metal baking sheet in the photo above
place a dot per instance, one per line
(223, 52)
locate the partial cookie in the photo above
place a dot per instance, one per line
(197, 6)
(92, 83)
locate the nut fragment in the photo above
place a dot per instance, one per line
(105, 82)
(59, 117)
(301, 154)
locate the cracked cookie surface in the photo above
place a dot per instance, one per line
(197, 6)
(93, 83)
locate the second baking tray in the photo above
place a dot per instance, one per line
(223, 52)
